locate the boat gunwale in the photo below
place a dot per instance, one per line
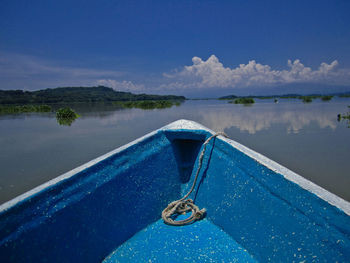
(183, 125)
(63, 177)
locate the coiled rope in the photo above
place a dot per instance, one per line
(184, 205)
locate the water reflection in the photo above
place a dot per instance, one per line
(220, 116)
(259, 118)
(217, 115)
(307, 138)
(67, 121)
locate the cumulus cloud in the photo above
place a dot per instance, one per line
(27, 72)
(121, 85)
(211, 73)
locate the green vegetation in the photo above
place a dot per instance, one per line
(345, 117)
(76, 95)
(245, 101)
(309, 98)
(326, 98)
(306, 99)
(14, 109)
(148, 104)
(18, 101)
(66, 116)
(66, 113)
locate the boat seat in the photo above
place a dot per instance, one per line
(201, 241)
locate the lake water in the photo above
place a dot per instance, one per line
(306, 138)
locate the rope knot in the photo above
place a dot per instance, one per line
(183, 206)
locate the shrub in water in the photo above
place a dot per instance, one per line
(66, 113)
(243, 101)
(66, 116)
(326, 98)
(306, 99)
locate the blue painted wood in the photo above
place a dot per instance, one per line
(111, 206)
(199, 242)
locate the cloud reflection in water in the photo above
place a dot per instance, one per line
(262, 117)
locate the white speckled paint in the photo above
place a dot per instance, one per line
(191, 125)
(288, 174)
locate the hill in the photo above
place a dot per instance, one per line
(76, 94)
(230, 97)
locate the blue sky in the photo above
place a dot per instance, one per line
(177, 47)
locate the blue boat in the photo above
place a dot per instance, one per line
(243, 207)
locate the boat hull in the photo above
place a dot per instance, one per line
(103, 209)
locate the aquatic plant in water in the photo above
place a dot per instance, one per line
(306, 99)
(66, 116)
(245, 101)
(148, 104)
(15, 109)
(326, 98)
(345, 116)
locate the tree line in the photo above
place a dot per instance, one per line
(76, 95)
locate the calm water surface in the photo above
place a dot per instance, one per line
(306, 138)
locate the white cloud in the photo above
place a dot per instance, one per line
(28, 72)
(121, 85)
(212, 74)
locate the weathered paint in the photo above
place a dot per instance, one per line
(260, 209)
(199, 242)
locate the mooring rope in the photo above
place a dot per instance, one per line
(182, 206)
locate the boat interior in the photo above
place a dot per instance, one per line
(111, 211)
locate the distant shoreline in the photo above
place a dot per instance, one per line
(102, 94)
(289, 96)
(70, 95)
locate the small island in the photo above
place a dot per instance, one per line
(245, 101)
(306, 99)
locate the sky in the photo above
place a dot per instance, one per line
(192, 48)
